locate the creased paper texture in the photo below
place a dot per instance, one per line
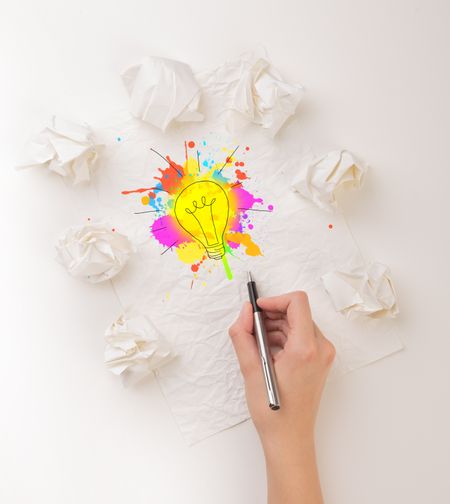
(134, 349)
(93, 252)
(369, 291)
(162, 91)
(203, 385)
(320, 180)
(254, 90)
(65, 148)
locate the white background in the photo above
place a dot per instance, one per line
(378, 84)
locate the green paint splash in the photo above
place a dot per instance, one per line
(227, 267)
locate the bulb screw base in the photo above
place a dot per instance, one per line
(216, 251)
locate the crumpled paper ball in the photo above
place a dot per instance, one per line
(134, 349)
(65, 148)
(162, 91)
(255, 89)
(93, 252)
(367, 291)
(320, 180)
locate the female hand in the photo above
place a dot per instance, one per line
(301, 364)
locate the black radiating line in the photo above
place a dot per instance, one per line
(159, 229)
(145, 211)
(167, 161)
(254, 209)
(235, 185)
(159, 189)
(198, 161)
(227, 158)
(169, 247)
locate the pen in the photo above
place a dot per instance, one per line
(263, 347)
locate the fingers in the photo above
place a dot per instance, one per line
(277, 325)
(298, 316)
(288, 324)
(279, 303)
(241, 334)
(294, 304)
(273, 315)
(276, 338)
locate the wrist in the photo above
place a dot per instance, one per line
(288, 449)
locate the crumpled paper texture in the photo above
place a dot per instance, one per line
(320, 180)
(161, 91)
(93, 252)
(65, 148)
(253, 88)
(203, 385)
(368, 291)
(134, 348)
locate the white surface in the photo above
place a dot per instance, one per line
(377, 81)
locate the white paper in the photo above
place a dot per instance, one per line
(65, 148)
(369, 291)
(300, 244)
(93, 252)
(162, 91)
(134, 349)
(203, 385)
(253, 88)
(320, 180)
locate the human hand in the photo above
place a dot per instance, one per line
(301, 364)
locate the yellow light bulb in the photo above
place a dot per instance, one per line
(202, 210)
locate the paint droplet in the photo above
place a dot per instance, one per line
(247, 148)
(119, 139)
(241, 163)
(194, 268)
(250, 226)
(237, 163)
(240, 175)
(330, 226)
(89, 218)
(145, 200)
(191, 144)
(113, 230)
(270, 207)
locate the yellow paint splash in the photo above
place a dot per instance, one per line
(190, 252)
(245, 239)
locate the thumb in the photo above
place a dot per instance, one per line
(241, 334)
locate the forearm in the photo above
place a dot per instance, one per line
(292, 476)
(301, 368)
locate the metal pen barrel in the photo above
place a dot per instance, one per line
(263, 347)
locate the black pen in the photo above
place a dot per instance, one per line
(263, 347)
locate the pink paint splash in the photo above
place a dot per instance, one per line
(245, 199)
(167, 231)
(160, 198)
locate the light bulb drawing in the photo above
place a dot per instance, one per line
(202, 209)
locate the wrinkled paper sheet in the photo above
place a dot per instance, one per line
(203, 384)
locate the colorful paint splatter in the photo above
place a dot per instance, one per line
(200, 207)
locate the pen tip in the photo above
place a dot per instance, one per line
(249, 275)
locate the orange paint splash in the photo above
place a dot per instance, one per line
(171, 179)
(241, 175)
(245, 239)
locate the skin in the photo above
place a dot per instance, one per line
(302, 358)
